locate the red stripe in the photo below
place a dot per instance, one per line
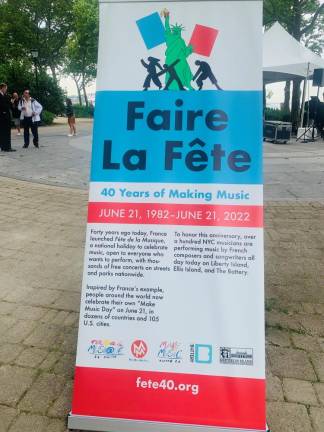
(222, 401)
(166, 214)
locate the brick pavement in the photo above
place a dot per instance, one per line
(294, 274)
(42, 231)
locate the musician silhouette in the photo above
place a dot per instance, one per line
(172, 75)
(152, 75)
(204, 72)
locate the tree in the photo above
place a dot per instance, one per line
(19, 76)
(36, 24)
(298, 17)
(304, 20)
(315, 40)
(82, 45)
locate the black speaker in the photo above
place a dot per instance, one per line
(318, 78)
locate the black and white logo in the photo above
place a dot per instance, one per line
(236, 356)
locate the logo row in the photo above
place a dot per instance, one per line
(170, 352)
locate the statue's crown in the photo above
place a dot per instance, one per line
(177, 27)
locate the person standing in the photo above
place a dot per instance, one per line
(15, 111)
(91, 109)
(30, 116)
(5, 120)
(71, 117)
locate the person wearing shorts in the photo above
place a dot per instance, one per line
(70, 117)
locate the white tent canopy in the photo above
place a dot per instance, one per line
(284, 58)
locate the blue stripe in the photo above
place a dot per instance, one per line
(243, 132)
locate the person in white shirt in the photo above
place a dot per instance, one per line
(30, 117)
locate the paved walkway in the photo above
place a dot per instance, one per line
(41, 252)
(293, 171)
(56, 162)
(294, 242)
(42, 233)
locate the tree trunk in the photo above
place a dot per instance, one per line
(79, 96)
(286, 104)
(53, 70)
(296, 33)
(295, 103)
(78, 89)
(85, 94)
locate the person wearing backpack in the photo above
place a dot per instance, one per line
(30, 117)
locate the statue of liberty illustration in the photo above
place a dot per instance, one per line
(176, 53)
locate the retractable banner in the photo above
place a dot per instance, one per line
(171, 334)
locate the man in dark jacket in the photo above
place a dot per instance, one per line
(5, 120)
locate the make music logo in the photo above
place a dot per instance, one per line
(139, 349)
(172, 71)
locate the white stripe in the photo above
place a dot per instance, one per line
(200, 193)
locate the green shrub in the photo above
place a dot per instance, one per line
(20, 76)
(277, 114)
(83, 111)
(47, 118)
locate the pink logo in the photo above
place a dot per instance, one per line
(139, 349)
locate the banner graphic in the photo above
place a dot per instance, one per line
(171, 333)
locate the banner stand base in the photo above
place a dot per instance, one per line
(103, 424)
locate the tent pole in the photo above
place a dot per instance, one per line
(304, 95)
(264, 100)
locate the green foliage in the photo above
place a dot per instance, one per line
(36, 24)
(315, 40)
(303, 19)
(82, 111)
(276, 114)
(50, 95)
(47, 118)
(20, 76)
(82, 44)
(65, 34)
